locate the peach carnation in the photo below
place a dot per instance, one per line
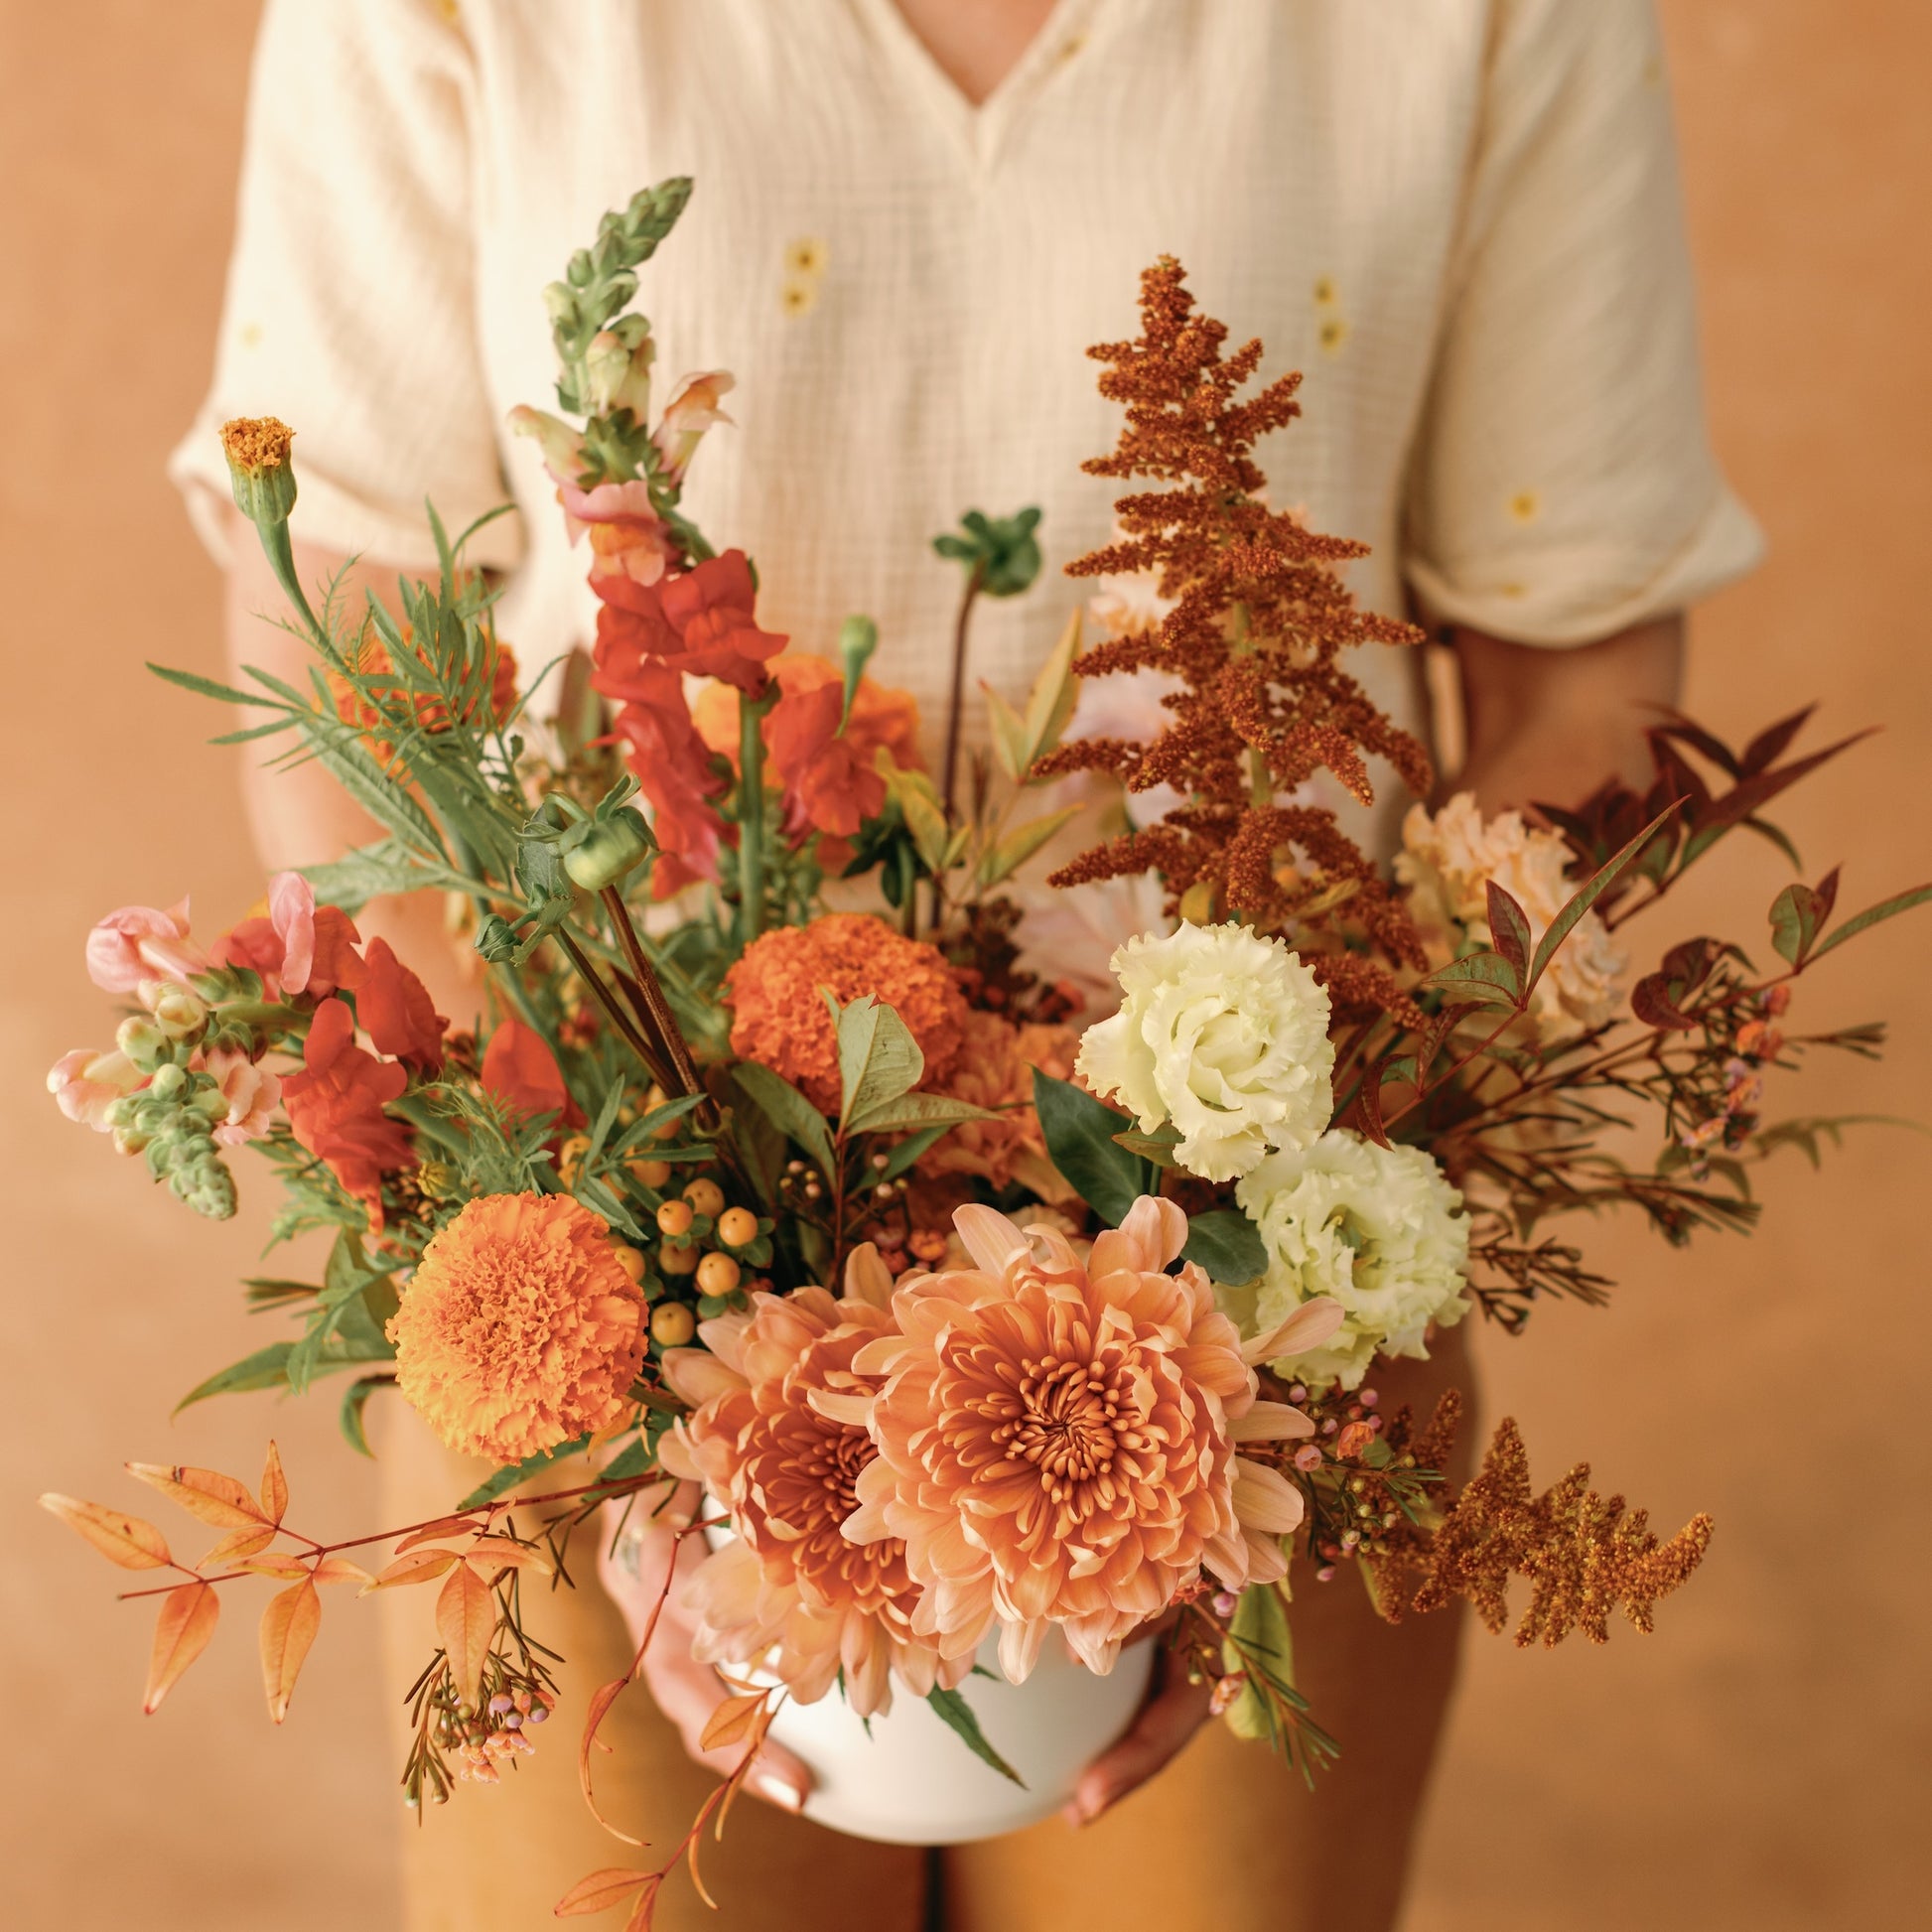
(1059, 1443)
(996, 1071)
(520, 1330)
(776, 992)
(779, 1433)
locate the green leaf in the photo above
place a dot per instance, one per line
(917, 1110)
(206, 687)
(1227, 1245)
(1010, 741)
(1258, 1643)
(910, 1149)
(1055, 692)
(1888, 908)
(638, 1459)
(1158, 1146)
(787, 1110)
(1588, 895)
(509, 1477)
(355, 1399)
(1480, 978)
(878, 1059)
(1021, 842)
(267, 1368)
(1079, 1133)
(958, 1714)
(370, 872)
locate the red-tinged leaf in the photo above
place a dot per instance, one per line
(120, 1538)
(643, 1914)
(206, 1493)
(339, 1570)
(418, 1567)
(493, 1555)
(1798, 916)
(1586, 896)
(1694, 734)
(289, 1626)
(465, 1620)
(275, 1486)
(236, 1545)
(1479, 979)
(1764, 749)
(593, 1715)
(1888, 908)
(601, 1891)
(1368, 1103)
(732, 1722)
(1509, 928)
(1650, 1001)
(442, 1526)
(1745, 798)
(180, 1634)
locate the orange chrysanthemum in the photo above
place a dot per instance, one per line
(778, 1433)
(1059, 1441)
(996, 1071)
(369, 659)
(778, 1013)
(520, 1330)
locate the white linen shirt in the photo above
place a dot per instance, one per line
(1459, 218)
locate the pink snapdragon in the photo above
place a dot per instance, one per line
(252, 1092)
(297, 947)
(86, 1083)
(139, 942)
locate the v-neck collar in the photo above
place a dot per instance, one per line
(978, 130)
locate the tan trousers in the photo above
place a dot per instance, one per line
(1227, 1837)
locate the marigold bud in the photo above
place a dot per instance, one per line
(263, 477)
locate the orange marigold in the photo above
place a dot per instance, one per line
(996, 1071)
(371, 658)
(778, 1013)
(520, 1330)
(882, 715)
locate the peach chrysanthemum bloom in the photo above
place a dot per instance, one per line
(996, 1071)
(776, 992)
(1058, 1444)
(520, 1330)
(779, 1433)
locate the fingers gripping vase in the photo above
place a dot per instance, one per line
(907, 1778)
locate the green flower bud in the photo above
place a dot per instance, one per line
(858, 639)
(495, 938)
(144, 1044)
(257, 449)
(169, 1082)
(605, 850)
(179, 1012)
(129, 1139)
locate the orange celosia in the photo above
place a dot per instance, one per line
(996, 1071)
(778, 1433)
(370, 658)
(520, 1330)
(778, 1013)
(1058, 1442)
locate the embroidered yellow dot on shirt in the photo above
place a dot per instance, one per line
(1334, 331)
(249, 334)
(1526, 506)
(1071, 46)
(798, 298)
(1326, 295)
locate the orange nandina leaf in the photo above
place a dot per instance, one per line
(125, 1540)
(238, 1544)
(339, 1570)
(600, 1705)
(289, 1627)
(278, 1563)
(442, 1526)
(275, 1486)
(418, 1567)
(732, 1721)
(206, 1493)
(465, 1620)
(494, 1555)
(601, 1891)
(180, 1634)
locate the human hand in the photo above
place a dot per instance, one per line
(644, 1566)
(1172, 1711)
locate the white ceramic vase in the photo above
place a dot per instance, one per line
(913, 1780)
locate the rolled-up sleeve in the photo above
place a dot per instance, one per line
(1563, 485)
(349, 311)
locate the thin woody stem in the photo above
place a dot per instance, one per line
(961, 628)
(683, 1070)
(654, 1064)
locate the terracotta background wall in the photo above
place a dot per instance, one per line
(1762, 1760)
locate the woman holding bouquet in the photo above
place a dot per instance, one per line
(1459, 216)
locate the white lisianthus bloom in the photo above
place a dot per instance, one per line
(1376, 1230)
(1446, 862)
(1224, 1033)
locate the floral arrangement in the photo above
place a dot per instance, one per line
(822, 1225)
